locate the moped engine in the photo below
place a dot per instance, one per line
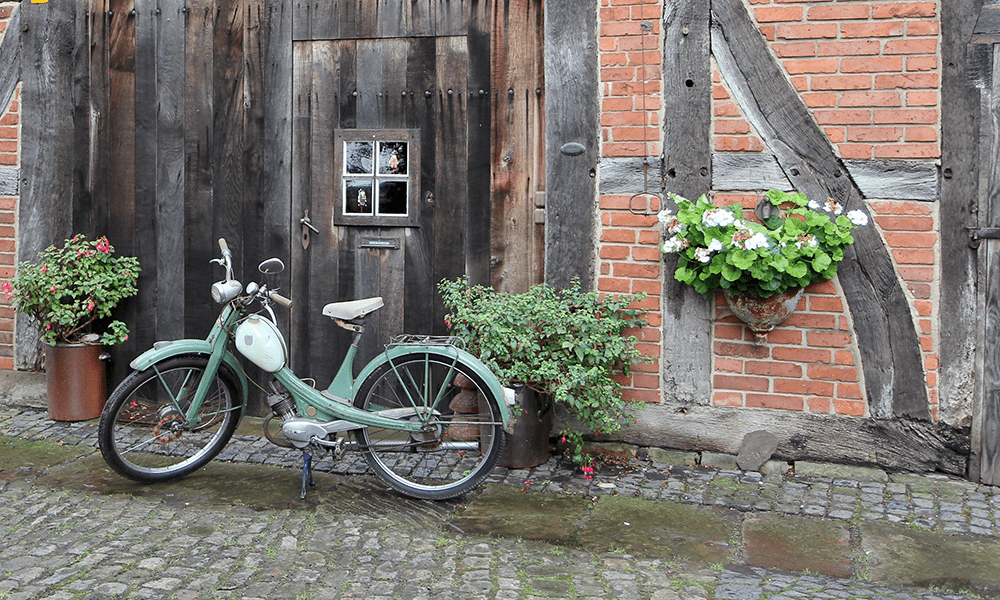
(282, 406)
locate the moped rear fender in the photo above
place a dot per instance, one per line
(164, 350)
(450, 353)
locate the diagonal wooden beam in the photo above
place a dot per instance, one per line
(10, 58)
(883, 323)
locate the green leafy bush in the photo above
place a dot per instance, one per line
(718, 249)
(71, 287)
(568, 343)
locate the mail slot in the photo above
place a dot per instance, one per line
(386, 243)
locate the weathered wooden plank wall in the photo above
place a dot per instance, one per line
(188, 109)
(987, 417)
(10, 58)
(518, 135)
(414, 73)
(50, 161)
(960, 166)
(687, 171)
(572, 115)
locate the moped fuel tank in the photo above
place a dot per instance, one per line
(260, 341)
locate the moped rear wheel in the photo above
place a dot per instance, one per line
(145, 433)
(461, 437)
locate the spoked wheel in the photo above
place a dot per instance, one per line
(145, 433)
(461, 435)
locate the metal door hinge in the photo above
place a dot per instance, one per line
(982, 233)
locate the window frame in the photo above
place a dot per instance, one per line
(411, 137)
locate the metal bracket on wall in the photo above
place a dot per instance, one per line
(982, 233)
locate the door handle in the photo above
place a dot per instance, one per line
(306, 227)
(305, 221)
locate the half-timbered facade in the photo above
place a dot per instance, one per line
(379, 147)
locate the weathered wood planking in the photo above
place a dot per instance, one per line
(480, 44)
(987, 29)
(572, 110)
(451, 166)
(629, 175)
(48, 157)
(687, 170)
(883, 323)
(10, 58)
(421, 113)
(170, 225)
(9, 181)
(88, 216)
(199, 165)
(256, 57)
(370, 19)
(960, 193)
(451, 17)
(143, 80)
(876, 179)
(229, 123)
(303, 178)
(516, 240)
(987, 419)
(898, 444)
(119, 127)
(266, 218)
(895, 179)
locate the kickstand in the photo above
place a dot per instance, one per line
(307, 473)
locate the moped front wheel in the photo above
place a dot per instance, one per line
(145, 431)
(461, 435)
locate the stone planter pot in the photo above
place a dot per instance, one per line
(763, 314)
(76, 378)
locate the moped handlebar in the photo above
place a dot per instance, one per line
(281, 300)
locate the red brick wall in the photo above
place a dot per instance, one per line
(630, 259)
(869, 72)
(9, 135)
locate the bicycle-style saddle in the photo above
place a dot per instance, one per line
(355, 309)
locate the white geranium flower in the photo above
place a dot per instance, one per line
(858, 217)
(664, 216)
(715, 245)
(672, 245)
(833, 206)
(718, 217)
(703, 255)
(757, 241)
(813, 205)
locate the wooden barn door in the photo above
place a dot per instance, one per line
(391, 153)
(984, 463)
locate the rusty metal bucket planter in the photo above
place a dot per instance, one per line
(763, 314)
(529, 444)
(77, 381)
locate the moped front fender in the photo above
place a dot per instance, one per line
(451, 353)
(164, 350)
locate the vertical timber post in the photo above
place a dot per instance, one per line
(572, 135)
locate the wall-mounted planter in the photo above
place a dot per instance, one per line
(763, 314)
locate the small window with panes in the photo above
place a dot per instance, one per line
(376, 177)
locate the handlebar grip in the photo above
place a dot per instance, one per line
(222, 244)
(281, 300)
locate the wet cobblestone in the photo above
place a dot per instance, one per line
(73, 545)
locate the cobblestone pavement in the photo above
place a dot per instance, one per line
(66, 543)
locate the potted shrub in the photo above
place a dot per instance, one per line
(760, 266)
(66, 293)
(567, 344)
